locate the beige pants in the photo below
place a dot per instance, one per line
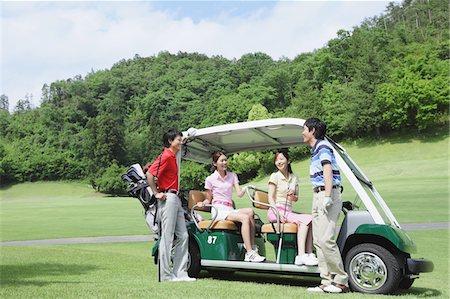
(324, 226)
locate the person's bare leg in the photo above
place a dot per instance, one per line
(301, 238)
(309, 240)
(251, 215)
(245, 228)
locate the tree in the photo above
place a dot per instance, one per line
(257, 112)
(4, 102)
(417, 90)
(282, 83)
(4, 114)
(22, 105)
(253, 65)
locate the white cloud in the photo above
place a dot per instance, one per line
(47, 41)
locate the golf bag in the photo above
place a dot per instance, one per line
(139, 188)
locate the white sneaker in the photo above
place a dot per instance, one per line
(332, 288)
(185, 278)
(309, 261)
(306, 260)
(315, 290)
(253, 256)
(313, 257)
(298, 260)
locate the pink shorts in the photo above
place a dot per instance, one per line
(290, 216)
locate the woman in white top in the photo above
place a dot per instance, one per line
(283, 191)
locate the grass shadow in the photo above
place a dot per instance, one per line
(264, 278)
(421, 292)
(6, 186)
(300, 281)
(22, 275)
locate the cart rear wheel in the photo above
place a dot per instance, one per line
(372, 269)
(194, 259)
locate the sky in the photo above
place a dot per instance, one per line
(42, 42)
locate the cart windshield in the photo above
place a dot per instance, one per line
(352, 165)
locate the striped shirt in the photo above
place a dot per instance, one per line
(322, 154)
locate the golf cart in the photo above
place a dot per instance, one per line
(375, 250)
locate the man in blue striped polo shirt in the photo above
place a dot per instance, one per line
(327, 204)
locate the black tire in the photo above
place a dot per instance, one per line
(372, 269)
(406, 283)
(194, 266)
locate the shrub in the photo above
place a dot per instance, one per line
(249, 165)
(110, 181)
(193, 175)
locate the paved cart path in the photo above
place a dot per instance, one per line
(151, 237)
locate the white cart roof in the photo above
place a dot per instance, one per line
(245, 136)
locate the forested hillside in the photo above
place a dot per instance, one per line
(389, 73)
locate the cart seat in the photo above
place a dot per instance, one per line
(218, 225)
(261, 201)
(195, 197)
(289, 228)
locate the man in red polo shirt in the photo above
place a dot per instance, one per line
(170, 212)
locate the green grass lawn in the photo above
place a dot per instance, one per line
(120, 270)
(47, 210)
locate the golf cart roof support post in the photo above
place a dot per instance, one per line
(359, 189)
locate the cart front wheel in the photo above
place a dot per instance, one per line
(372, 269)
(406, 283)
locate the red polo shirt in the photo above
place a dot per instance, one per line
(168, 170)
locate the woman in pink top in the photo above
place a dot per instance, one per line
(283, 191)
(219, 189)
